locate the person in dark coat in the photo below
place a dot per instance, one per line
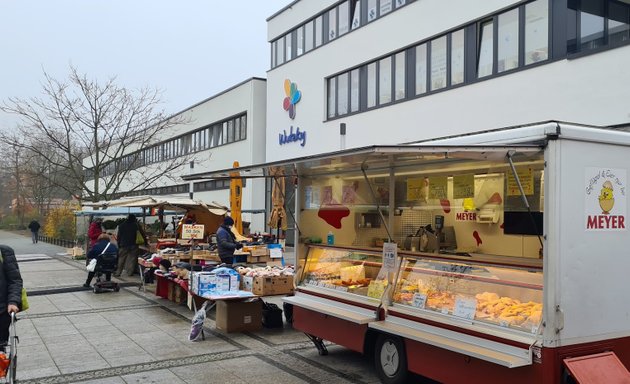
(226, 241)
(10, 291)
(103, 243)
(127, 246)
(34, 227)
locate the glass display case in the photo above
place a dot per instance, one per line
(504, 296)
(345, 270)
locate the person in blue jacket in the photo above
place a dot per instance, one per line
(226, 241)
(103, 241)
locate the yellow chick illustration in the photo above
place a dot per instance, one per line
(606, 198)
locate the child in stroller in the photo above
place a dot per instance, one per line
(106, 255)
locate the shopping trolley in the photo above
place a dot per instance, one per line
(8, 359)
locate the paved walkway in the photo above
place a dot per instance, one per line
(73, 335)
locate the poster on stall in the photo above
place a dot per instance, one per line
(192, 231)
(463, 186)
(414, 189)
(606, 199)
(526, 177)
(438, 187)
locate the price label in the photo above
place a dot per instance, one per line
(465, 308)
(390, 253)
(192, 231)
(275, 253)
(419, 300)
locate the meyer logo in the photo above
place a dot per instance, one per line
(605, 199)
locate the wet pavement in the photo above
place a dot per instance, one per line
(72, 335)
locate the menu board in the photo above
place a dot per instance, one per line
(463, 186)
(526, 177)
(438, 187)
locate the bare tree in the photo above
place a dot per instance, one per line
(93, 136)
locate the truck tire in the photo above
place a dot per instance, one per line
(390, 359)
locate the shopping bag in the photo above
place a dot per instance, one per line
(197, 323)
(139, 238)
(91, 265)
(24, 305)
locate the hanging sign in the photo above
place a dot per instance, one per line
(438, 187)
(463, 186)
(606, 199)
(192, 231)
(526, 177)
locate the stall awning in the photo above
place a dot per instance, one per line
(373, 158)
(600, 368)
(165, 202)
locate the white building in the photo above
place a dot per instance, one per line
(397, 71)
(224, 128)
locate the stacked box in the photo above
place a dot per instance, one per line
(203, 283)
(259, 251)
(277, 285)
(257, 259)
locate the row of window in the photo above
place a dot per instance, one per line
(209, 185)
(346, 16)
(502, 42)
(593, 24)
(214, 135)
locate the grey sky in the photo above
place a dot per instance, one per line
(190, 49)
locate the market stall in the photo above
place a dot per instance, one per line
(487, 258)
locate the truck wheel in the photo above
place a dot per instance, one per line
(390, 360)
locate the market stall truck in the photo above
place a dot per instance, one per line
(531, 286)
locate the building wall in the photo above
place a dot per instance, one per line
(247, 97)
(589, 89)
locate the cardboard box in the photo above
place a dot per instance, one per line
(265, 286)
(247, 283)
(259, 251)
(239, 315)
(257, 259)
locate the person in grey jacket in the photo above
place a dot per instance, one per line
(226, 241)
(10, 291)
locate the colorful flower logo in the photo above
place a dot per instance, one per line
(293, 97)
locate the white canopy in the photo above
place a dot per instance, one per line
(165, 202)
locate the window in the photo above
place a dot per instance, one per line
(280, 51)
(230, 131)
(237, 129)
(243, 127)
(356, 13)
(508, 41)
(342, 94)
(224, 136)
(371, 10)
(386, 7)
(537, 31)
(319, 26)
(288, 54)
(400, 85)
(344, 18)
(485, 51)
(209, 138)
(332, 24)
(421, 69)
(371, 85)
(332, 96)
(457, 57)
(618, 23)
(273, 53)
(308, 36)
(438, 63)
(218, 135)
(299, 41)
(385, 81)
(354, 90)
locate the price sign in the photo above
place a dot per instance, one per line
(465, 308)
(390, 253)
(419, 300)
(192, 231)
(275, 253)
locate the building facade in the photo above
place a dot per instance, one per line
(224, 128)
(398, 71)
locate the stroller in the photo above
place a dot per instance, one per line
(106, 264)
